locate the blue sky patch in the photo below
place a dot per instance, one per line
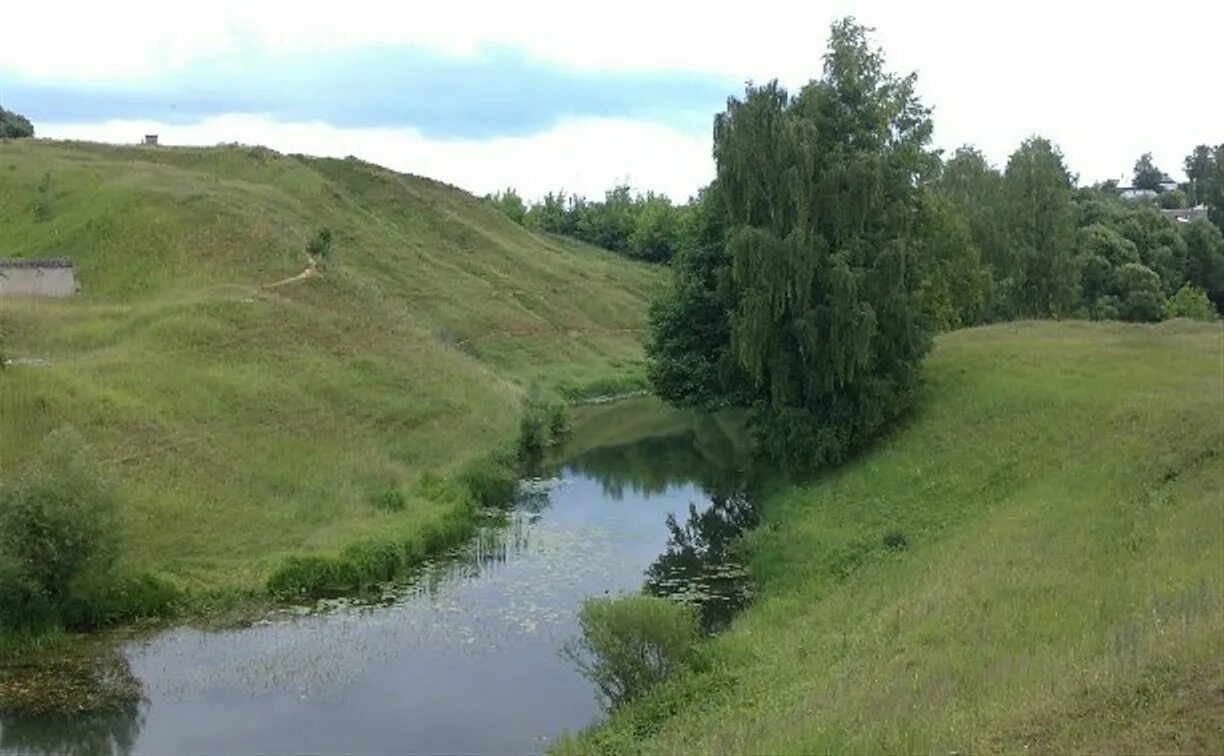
(499, 92)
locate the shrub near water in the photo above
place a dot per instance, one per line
(630, 644)
(59, 539)
(542, 424)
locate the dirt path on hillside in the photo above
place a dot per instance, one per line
(311, 271)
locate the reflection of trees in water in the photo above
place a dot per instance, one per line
(111, 727)
(498, 539)
(706, 453)
(703, 563)
(113, 731)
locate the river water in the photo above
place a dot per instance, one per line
(465, 658)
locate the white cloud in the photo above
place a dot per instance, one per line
(1106, 80)
(584, 155)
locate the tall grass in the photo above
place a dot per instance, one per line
(1060, 491)
(245, 424)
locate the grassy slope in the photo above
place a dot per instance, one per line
(1062, 491)
(245, 422)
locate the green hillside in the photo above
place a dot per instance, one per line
(247, 416)
(1056, 507)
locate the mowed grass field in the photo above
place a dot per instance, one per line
(245, 421)
(1061, 491)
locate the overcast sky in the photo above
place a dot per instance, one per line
(547, 95)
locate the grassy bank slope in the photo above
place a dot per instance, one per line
(1061, 489)
(245, 420)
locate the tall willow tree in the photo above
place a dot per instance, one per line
(1042, 225)
(823, 204)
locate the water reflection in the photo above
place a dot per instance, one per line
(703, 562)
(703, 450)
(112, 732)
(99, 707)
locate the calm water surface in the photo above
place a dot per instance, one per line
(467, 657)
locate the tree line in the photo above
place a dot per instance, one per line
(813, 272)
(1024, 241)
(644, 226)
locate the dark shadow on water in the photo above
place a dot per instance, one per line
(96, 707)
(704, 563)
(111, 732)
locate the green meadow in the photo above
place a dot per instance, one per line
(1032, 561)
(247, 415)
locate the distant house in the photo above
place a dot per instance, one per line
(1131, 193)
(1186, 215)
(37, 278)
(150, 139)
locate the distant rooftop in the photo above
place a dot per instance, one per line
(22, 262)
(1186, 214)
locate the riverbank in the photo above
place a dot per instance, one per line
(1030, 562)
(475, 636)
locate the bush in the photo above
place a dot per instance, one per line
(896, 541)
(99, 600)
(1190, 302)
(388, 500)
(629, 644)
(1142, 297)
(58, 530)
(533, 437)
(1106, 308)
(558, 423)
(491, 483)
(303, 576)
(542, 424)
(320, 244)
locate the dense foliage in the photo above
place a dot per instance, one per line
(811, 307)
(644, 226)
(14, 125)
(59, 539)
(810, 274)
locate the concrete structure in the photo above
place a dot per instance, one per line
(37, 278)
(150, 139)
(1186, 215)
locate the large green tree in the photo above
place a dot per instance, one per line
(1205, 259)
(1146, 174)
(956, 286)
(975, 190)
(1042, 227)
(656, 229)
(1214, 193)
(14, 125)
(824, 210)
(1200, 170)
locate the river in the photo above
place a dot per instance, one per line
(466, 657)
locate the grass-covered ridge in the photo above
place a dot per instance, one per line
(1059, 586)
(246, 419)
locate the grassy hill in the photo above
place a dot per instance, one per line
(1061, 493)
(246, 417)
